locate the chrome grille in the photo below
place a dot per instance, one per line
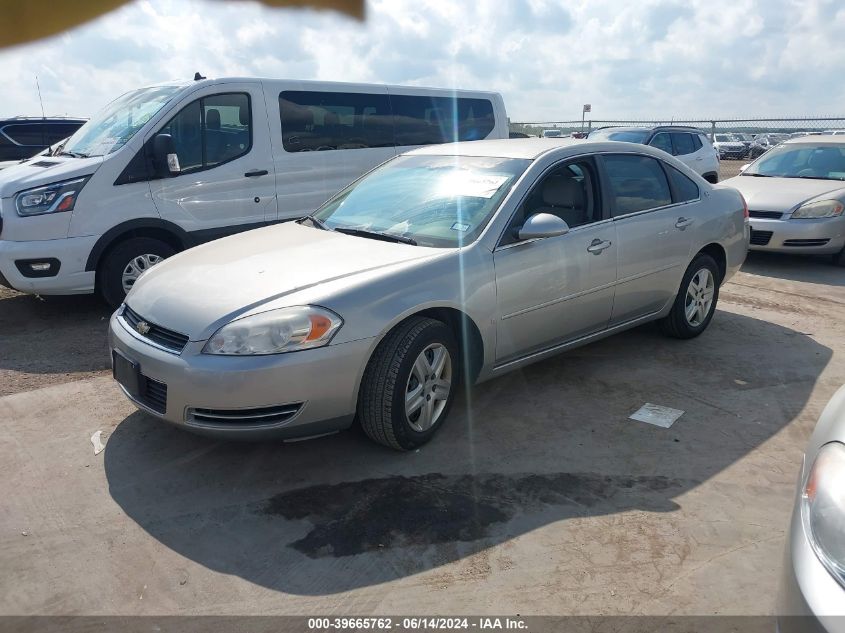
(170, 340)
(252, 417)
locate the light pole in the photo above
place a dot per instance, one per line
(587, 108)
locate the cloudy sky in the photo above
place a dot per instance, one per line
(650, 58)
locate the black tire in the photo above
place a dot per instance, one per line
(110, 271)
(381, 399)
(839, 259)
(675, 324)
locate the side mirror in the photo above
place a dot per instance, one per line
(164, 152)
(542, 225)
(744, 167)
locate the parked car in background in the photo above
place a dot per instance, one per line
(796, 197)
(833, 132)
(166, 167)
(728, 147)
(688, 144)
(515, 250)
(553, 133)
(745, 139)
(24, 137)
(812, 587)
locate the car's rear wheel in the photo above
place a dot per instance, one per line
(123, 264)
(409, 384)
(696, 301)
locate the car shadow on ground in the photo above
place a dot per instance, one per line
(809, 269)
(538, 446)
(53, 335)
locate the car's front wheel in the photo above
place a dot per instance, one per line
(696, 301)
(409, 384)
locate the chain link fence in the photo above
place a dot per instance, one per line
(753, 127)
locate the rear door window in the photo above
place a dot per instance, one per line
(636, 183)
(683, 143)
(684, 189)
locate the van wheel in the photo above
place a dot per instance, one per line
(696, 301)
(409, 384)
(124, 263)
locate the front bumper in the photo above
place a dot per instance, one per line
(321, 384)
(72, 254)
(821, 237)
(810, 600)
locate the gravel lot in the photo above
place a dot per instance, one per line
(539, 496)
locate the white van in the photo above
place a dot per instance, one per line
(166, 167)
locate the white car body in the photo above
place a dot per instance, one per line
(272, 171)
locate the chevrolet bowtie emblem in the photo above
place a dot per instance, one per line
(143, 327)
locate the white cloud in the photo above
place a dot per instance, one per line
(652, 58)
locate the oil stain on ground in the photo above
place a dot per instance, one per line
(355, 517)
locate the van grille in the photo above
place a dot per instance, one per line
(170, 340)
(260, 416)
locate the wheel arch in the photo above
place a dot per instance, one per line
(155, 228)
(718, 253)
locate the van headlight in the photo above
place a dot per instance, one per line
(54, 198)
(823, 508)
(820, 209)
(275, 332)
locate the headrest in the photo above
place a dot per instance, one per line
(212, 119)
(563, 191)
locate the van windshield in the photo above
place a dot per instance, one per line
(112, 127)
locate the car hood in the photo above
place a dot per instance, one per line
(44, 170)
(199, 290)
(782, 194)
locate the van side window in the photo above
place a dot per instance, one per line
(319, 121)
(211, 131)
(421, 120)
(636, 183)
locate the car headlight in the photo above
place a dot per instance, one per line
(275, 332)
(820, 209)
(823, 508)
(54, 198)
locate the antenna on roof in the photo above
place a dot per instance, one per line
(37, 85)
(198, 77)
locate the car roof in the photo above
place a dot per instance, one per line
(649, 128)
(529, 148)
(816, 139)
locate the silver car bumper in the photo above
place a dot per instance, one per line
(824, 236)
(297, 394)
(810, 599)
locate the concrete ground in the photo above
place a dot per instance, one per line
(539, 496)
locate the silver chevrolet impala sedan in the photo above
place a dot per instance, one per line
(447, 265)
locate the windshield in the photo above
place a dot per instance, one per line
(627, 136)
(440, 201)
(824, 162)
(114, 125)
(723, 138)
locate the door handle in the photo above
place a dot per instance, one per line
(683, 223)
(256, 172)
(597, 246)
